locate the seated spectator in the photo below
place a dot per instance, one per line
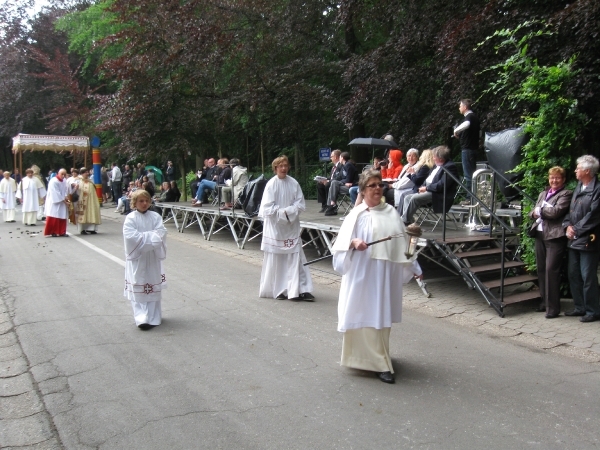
(433, 189)
(200, 174)
(165, 187)
(391, 172)
(412, 157)
(208, 184)
(336, 174)
(176, 193)
(148, 188)
(123, 202)
(343, 186)
(224, 171)
(414, 179)
(392, 169)
(239, 181)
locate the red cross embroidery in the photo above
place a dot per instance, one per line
(288, 243)
(148, 288)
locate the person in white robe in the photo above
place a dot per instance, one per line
(372, 277)
(57, 206)
(283, 272)
(87, 208)
(145, 250)
(8, 197)
(38, 175)
(31, 191)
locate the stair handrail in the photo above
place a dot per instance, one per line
(492, 215)
(511, 183)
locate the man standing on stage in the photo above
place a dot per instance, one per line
(56, 206)
(468, 134)
(283, 273)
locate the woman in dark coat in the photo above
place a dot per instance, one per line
(550, 240)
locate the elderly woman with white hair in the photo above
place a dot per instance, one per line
(582, 225)
(413, 179)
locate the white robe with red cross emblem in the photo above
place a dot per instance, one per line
(145, 250)
(283, 271)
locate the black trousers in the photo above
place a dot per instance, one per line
(549, 255)
(322, 192)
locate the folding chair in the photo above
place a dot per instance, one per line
(426, 214)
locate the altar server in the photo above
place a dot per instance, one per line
(145, 250)
(31, 191)
(283, 273)
(8, 191)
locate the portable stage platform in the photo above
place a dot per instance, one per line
(487, 262)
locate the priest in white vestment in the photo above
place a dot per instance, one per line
(31, 191)
(145, 250)
(87, 208)
(8, 199)
(56, 206)
(283, 272)
(372, 278)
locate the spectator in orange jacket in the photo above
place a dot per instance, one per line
(392, 170)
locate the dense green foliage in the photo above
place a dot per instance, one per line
(550, 114)
(255, 78)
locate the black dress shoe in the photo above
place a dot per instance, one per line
(323, 209)
(307, 297)
(83, 232)
(145, 326)
(281, 297)
(387, 377)
(55, 235)
(551, 316)
(540, 309)
(331, 210)
(574, 313)
(589, 318)
(92, 232)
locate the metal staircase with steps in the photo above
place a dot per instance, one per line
(486, 267)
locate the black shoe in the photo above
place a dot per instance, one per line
(386, 377)
(323, 209)
(574, 313)
(331, 210)
(83, 232)
(92, 232)
(307, 297)
(551, 316)
(145, 326)
(55, 235)
(281, 297)
(589, 318)
(540, 309)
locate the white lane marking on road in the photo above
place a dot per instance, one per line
(99, 250)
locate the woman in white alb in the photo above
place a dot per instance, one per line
(372, 278)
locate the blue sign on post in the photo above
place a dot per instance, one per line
(324, 154)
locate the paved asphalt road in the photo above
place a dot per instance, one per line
(230, 370)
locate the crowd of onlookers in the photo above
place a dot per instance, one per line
(407, 187)
(223, 179)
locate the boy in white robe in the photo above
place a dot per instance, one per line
(8, 191)
(31, 191)
(372, 278)
(145, 249)
(283, 272)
